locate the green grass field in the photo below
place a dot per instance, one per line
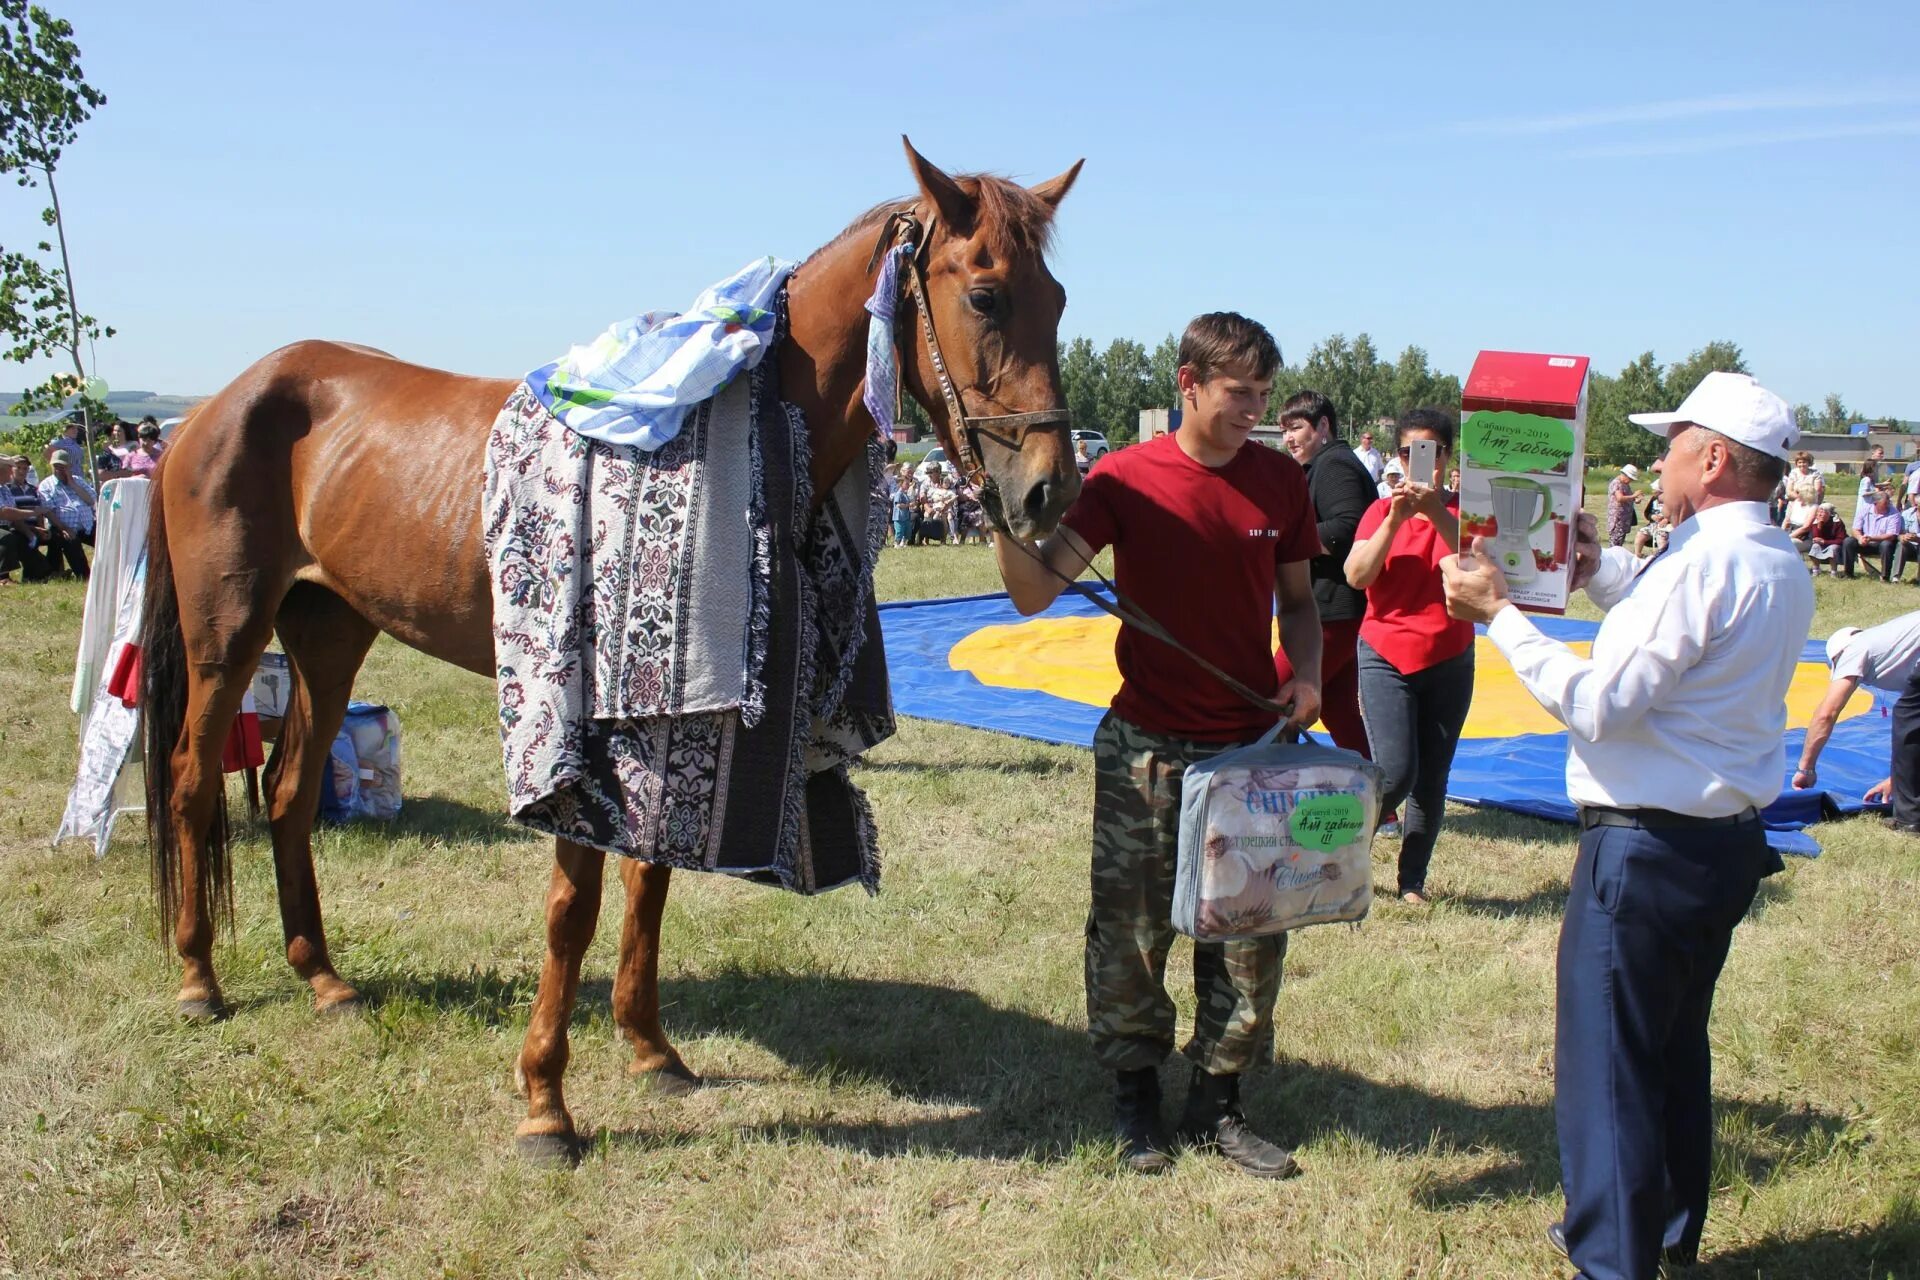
(901, 1084)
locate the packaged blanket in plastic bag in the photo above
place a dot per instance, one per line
(363, 766)
(1275, 836)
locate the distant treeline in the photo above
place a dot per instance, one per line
(1106, 390)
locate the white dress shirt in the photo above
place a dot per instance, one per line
(1683, 703)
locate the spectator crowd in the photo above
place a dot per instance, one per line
(47, 520)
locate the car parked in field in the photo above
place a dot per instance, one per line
(1087, 448)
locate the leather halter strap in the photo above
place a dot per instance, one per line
(903, 227)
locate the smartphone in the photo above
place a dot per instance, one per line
(1423, 460)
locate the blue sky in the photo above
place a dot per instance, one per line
(471, 188)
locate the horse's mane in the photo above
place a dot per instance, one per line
(1014, 219)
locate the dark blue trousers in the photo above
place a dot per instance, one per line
(1648, 924)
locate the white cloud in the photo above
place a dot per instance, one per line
(1694, 108)
(1758, 138)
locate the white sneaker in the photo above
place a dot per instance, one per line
(1391, 830)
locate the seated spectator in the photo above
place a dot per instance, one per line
(23, 525)
(72, 443)
(68, 501)
(145, 454)
(10, 467)
(1651, 537)
(1823, 538)
(936, 522)
(1876, 533)
(970, 518)
(1909, 536)
(1806, 489)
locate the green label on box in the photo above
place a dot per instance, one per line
(1503, 441)
(1326, 822)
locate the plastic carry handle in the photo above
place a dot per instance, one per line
(1267, 739)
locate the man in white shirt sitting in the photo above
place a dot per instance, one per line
(1674, 746)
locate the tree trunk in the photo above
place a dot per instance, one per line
(73, 321)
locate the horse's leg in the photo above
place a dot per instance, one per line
(325, 642)
(573, 910)
(636, 987)
(215, 686)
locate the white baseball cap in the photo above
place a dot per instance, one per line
(1737, 407)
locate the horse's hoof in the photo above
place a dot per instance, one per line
(348, 1007)
(203, 1010)
(551, 1150)
(674, 1080)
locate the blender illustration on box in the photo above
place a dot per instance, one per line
(1523, 439)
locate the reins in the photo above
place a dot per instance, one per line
(1133, 615)
(902, 227)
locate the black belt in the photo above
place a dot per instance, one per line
(1592, 816)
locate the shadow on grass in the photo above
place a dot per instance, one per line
(1548, 901)
(1889, 1251)
(1488, 823)
(1771, 1136)
(454, 820)
(1020, 1087)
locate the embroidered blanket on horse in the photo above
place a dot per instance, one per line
(687, 658)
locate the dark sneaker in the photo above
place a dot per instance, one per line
(1213, 1122)
(1136, 1121)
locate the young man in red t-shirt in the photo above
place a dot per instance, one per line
(1205, 533)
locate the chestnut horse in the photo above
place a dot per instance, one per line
(296, 502)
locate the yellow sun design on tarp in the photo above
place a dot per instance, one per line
(1072, 658)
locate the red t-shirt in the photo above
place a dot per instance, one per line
(1197, 548)
(1407, 622)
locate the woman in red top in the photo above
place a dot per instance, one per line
(1416, 663)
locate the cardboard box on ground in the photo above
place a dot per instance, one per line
(1523, 450)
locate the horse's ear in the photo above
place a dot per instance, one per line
(1054, 190)
(956, 207)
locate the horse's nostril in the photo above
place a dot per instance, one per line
(1038, 500)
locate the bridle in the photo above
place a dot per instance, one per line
(903, 227)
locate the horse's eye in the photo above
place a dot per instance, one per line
(983, 301)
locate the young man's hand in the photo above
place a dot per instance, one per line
(1304, 697)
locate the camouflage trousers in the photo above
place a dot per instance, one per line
(1136, 826)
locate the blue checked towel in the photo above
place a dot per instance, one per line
(634, 384)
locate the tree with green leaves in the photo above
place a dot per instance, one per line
(1834, 414)
(1639, 388)
(1163, 390)
(1125, 372)
(44, 99)
(1414, 384)
(1352, 375)
(1080, 383)
(1715, 357)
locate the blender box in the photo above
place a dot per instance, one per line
(1522, 451)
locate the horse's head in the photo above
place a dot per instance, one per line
(989, 355)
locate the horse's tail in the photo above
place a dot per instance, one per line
(163, 709)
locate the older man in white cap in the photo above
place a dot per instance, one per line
(1886, 657)
(1674, 726)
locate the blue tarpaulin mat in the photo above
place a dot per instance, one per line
(974, 661)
